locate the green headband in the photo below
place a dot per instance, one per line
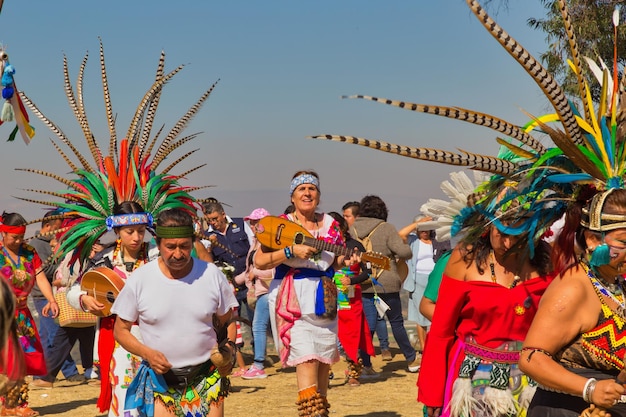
(172, 232)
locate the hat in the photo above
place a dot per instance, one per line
(257, 214)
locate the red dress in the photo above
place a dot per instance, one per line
(353, 331)
(20, 274)
(486, 319)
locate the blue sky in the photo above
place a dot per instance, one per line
(283, 66)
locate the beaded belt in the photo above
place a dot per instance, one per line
(493, 355)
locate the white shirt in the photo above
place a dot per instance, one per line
(175, 316)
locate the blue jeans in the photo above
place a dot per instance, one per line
(63, 343)
(382, 333)
(260, 325)
(47, 330)
(394, 315)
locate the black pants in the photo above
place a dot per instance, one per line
(62, 345)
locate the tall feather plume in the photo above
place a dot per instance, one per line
(571, 38)
(534, 183)
(55, 129)
(465, 115)
(127, 173)
(59, 178)
(179, 160)
(163, 152)
(473, 161)
(67, 160)
(61, 195)
(145, 101)
(186, 173)
(79, 112)
(542, 77)
(149, 119)
(153, 142)
(107, 102)
(182, 123)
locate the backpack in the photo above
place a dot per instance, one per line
(367, 244)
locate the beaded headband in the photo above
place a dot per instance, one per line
(304, 179)
(173, 232)
(132, 219)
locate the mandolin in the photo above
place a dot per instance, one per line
(104, 285)
(278, 233)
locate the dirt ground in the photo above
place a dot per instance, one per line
(391, 395)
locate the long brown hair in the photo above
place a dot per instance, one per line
(564, 253)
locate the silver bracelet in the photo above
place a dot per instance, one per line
(590, 387)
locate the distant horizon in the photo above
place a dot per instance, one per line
(402, 209)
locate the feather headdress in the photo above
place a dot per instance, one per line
(541, 181)
(127, 172)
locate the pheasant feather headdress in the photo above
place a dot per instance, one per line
(541, 181)
(126, 172)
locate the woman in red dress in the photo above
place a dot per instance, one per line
(486, 304)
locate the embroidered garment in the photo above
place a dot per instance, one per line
(118, 366)
(601, 348)
(487, 314)
(20, 274)
(208, 388)
(299, 303)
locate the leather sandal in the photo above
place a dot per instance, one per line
(23, 412)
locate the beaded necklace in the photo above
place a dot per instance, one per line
(494, 279)
(613, 291)
(130, 266)
(15, 265)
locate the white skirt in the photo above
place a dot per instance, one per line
(313, 338)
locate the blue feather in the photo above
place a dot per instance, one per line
(569, 178)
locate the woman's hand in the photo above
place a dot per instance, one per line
(303, 251)
(90, 304)
(345, 281)
(355, 258)
(433, 411)
(50, 307)
(607, 393)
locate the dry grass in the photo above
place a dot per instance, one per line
(392, 395)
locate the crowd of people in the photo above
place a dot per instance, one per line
(520, 317)
(483, 354)
(281, 288)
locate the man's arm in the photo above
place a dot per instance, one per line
(202, 252)
(158, 361)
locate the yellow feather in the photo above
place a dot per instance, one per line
(546, 118)
(517, 150)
